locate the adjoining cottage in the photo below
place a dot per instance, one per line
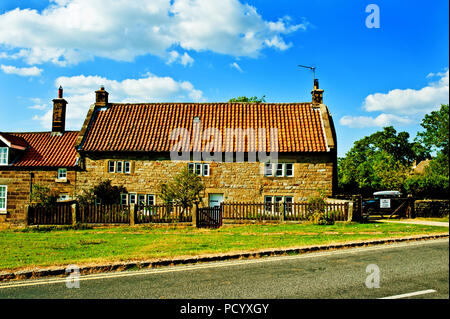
(139, 146)
(36, 158)
(244, 152)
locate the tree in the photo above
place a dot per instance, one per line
(378, 161)
(184, 189)
(435, 137)
(434, 183)
(244, 99)
(104, 192)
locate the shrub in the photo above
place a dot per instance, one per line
(43, 196)
(317, 214)
(320, 218)
(104, 192)
(427, 186)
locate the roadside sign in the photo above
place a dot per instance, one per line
(385, 203)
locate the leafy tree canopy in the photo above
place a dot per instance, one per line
(382, 161)
(184, 189)
(436, 138)
(436, 133)
(378, 161)
(244, 99)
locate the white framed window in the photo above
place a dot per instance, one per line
(279, 170)
(111, 166)
(3, 197)
(127, 167)
(268, 199)
(141, 199)
(205, 169)
(198, 169)
(150, 200)
(191, 168)
(3, 156)
(132, 199)
(278, 199)
(268, 169)
(124, 199)
(62, 173)
(288, 201)
(289, 169)
(119, 167)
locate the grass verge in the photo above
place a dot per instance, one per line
(56, 246)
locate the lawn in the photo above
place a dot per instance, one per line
(28, 248)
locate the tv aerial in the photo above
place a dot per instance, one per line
(313, 68)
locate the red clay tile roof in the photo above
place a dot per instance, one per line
(147, 127)
(46, 150)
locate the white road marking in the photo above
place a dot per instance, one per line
(38, 282)
(411, 294)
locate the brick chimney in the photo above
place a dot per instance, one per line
(101, 97)
(317, 94)
(59, 113)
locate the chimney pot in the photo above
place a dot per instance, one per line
(101, 97)
(317, 94)
(59, 113)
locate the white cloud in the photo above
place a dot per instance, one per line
(33, 71)
(79, 93)
(70, 31)
(402, 106)
(38, 107)
(368, 121)
(184, 59)
(236, 66)
(410, 101)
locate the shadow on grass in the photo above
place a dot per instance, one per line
(46, 229)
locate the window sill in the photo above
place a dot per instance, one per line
(61, 180)
(3, 212)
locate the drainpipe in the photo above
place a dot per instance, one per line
(31, 184)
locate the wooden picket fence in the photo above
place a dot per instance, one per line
(61, 214)
(103, 214)
(162, 214)
(58, 214)
(282, 212)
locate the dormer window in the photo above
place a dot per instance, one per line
(3, 156)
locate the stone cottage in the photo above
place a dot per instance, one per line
(36, 158)
(246, 152)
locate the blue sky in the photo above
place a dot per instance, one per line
(187, 50)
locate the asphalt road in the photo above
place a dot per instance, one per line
(420, 268)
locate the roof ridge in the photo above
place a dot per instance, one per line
(40, 132)
(212, 103)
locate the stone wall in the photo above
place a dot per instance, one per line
(241, 181)
(18, 195)
(238, 181)
(431, 208)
